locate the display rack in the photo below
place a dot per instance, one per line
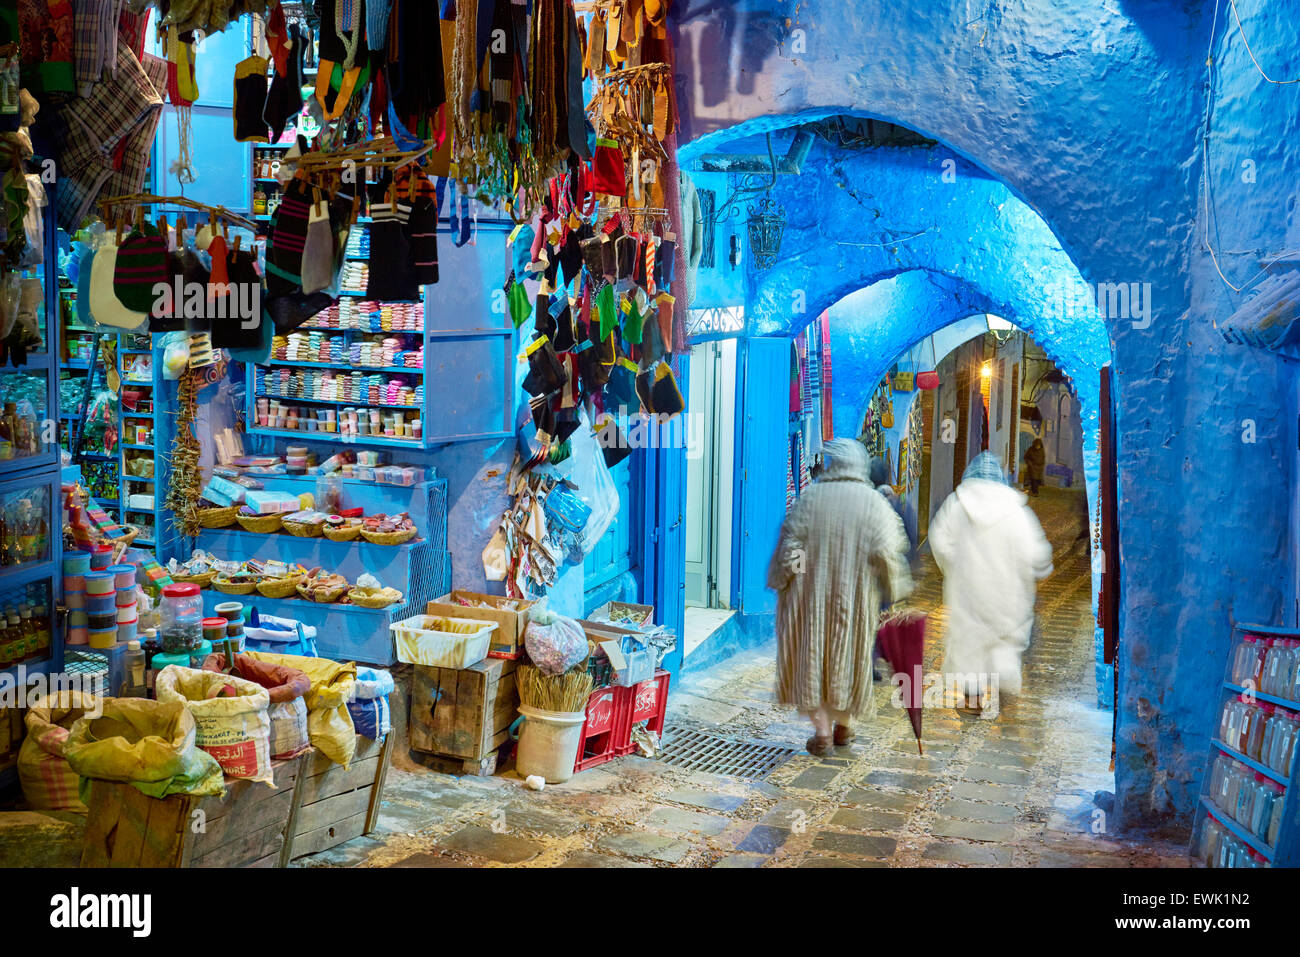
(83, 367)
(420, 569)
(31, 507)
(1285, 852)
(138, 431)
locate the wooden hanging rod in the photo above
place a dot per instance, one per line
(382, 153)
(149, 199)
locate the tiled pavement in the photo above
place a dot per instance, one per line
(1015, 792)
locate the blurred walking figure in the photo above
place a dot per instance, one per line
(1035, 465)
(841, 553)
(992, 552)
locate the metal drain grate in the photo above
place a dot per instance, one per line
(699, 751)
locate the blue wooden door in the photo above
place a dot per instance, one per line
(761, 434)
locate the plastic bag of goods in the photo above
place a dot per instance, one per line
(554, 643)
(231, 715)
(329, 723)
(280, 636)
(287, 688)
(48, 781)
(149, 744)
(369, 709)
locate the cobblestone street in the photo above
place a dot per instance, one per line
(1018, 791)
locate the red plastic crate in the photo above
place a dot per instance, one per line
(605, 731)
(648, 702)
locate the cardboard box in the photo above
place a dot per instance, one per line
(611, 611)
(509, 614)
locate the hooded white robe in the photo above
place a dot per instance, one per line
(992, 552)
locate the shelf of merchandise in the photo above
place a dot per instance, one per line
(1286, 852)
(20, 476)
(457, 337)
(420, 569)
(156, 519)
(77, 370)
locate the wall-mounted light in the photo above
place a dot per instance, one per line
(986, 371)
(734, 257)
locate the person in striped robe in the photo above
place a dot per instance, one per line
(841, 554)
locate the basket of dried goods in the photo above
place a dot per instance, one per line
(202, 579)
(216, 516)
(251, 522)
(240, 583)
(307, 523)
(323, 586)
(340, 529)
(285, 587)
(388, 529)
(373, 597)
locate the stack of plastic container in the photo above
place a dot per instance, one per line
(76, 565)
(128, 614)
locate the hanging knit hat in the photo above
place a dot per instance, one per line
(141, 263)
(104, 304)
(250, 100)
(318, 249)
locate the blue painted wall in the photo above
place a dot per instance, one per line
(1093, 117)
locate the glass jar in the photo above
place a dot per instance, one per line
(181, 617)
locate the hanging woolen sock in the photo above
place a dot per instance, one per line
(141, 262)
(218, 281)
(390, 277)
(318, 250)
(239, 330)
(287, 237)
(193, 271)
(174, 319)
(284, 99)
(250, 100)
(422, 232)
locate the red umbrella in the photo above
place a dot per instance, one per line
(901, 642)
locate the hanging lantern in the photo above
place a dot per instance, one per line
(766, 225)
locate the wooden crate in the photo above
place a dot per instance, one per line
(464, 715)
(126, 828)
(332, 805)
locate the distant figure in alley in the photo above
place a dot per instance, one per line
(992, 552)
(842, 552)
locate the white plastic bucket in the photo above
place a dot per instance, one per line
(548, 743)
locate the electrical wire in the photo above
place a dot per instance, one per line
(1253, 59)
(1210, 213)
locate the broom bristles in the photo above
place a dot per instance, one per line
(567, 692)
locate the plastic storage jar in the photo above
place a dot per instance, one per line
(181, 618)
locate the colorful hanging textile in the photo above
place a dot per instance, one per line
(828, 425)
